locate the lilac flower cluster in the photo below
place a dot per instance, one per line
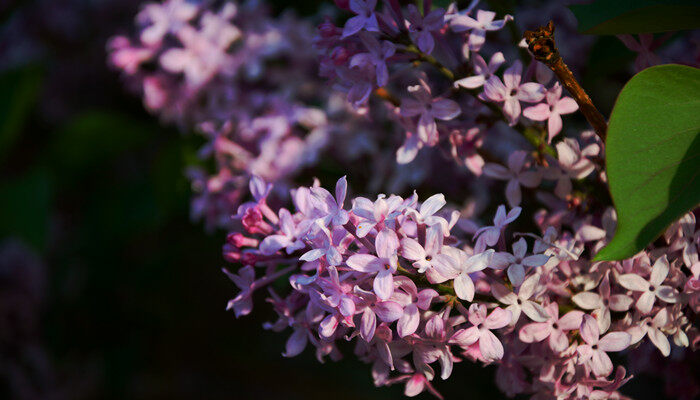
(392, 276)
(375, 47)
(413, 284)
(245, 81)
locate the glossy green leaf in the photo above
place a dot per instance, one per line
(653, 155)
(613, 17)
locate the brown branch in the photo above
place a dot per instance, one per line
(541, 44)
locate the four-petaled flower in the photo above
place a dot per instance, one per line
(365, 19)
(429, 109)
(516, 174)
(594, 352)
(490, 347)
(552, 110)
(510, 92)
(478, 27)
(652, 288)
(420, 28)
(383, 266)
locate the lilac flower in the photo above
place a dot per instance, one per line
(423, 258)
(594, 352)
(521, 302)
(552, 111)
(464, 147)
(365, 18)
(645, 49)
(324, 246)
(420, 29)
(482, 71)
(603, 302)
(379, 213)
(426, 213)
(384, 265)
(517, 261)
(478, 27)
(357, 83)
(488, 235)
(515, 175)
(510, 92)
(460, 265)
(554, 328)
(652, 329)
(429, 109)
(573, 163)
(386, 311)
(652, 288)
(288, 239)
(330, 208)
(490, 347)
(377, 55)
(412, 300)
(164, 18)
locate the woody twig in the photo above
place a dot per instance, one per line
(541, 44)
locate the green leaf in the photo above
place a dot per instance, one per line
(18, 94)
(653, 155)
(613, 17)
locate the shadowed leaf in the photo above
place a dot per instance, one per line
(653, 155)
(613, 17)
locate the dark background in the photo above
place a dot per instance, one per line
(125, 298)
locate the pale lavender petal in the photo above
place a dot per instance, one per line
(368, 324)
(589, 330)
(646, 302)
(531, 92)
(471, 82)
(620, 302)
(534, 332)
(571, 320)
(659, 271)
(445, 109)
(498, 318)
(353, 25)
(412, 250)
(408, 323)
(535, 311)
(516, 274)
(363, 262)
(432, 204)
(296, 343)
(513, 194)
(388, 311)
(566, 105)
(466, 337)
(490, 347)
(497, 171)
(494, 89)
(633, 282)
(387, 243)
(464, 287)
(512, 75)
(384, 284)
(539, 112)
(600, 363)
(558, 341)
(587, 300)
(660, 341)
(614, 341)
